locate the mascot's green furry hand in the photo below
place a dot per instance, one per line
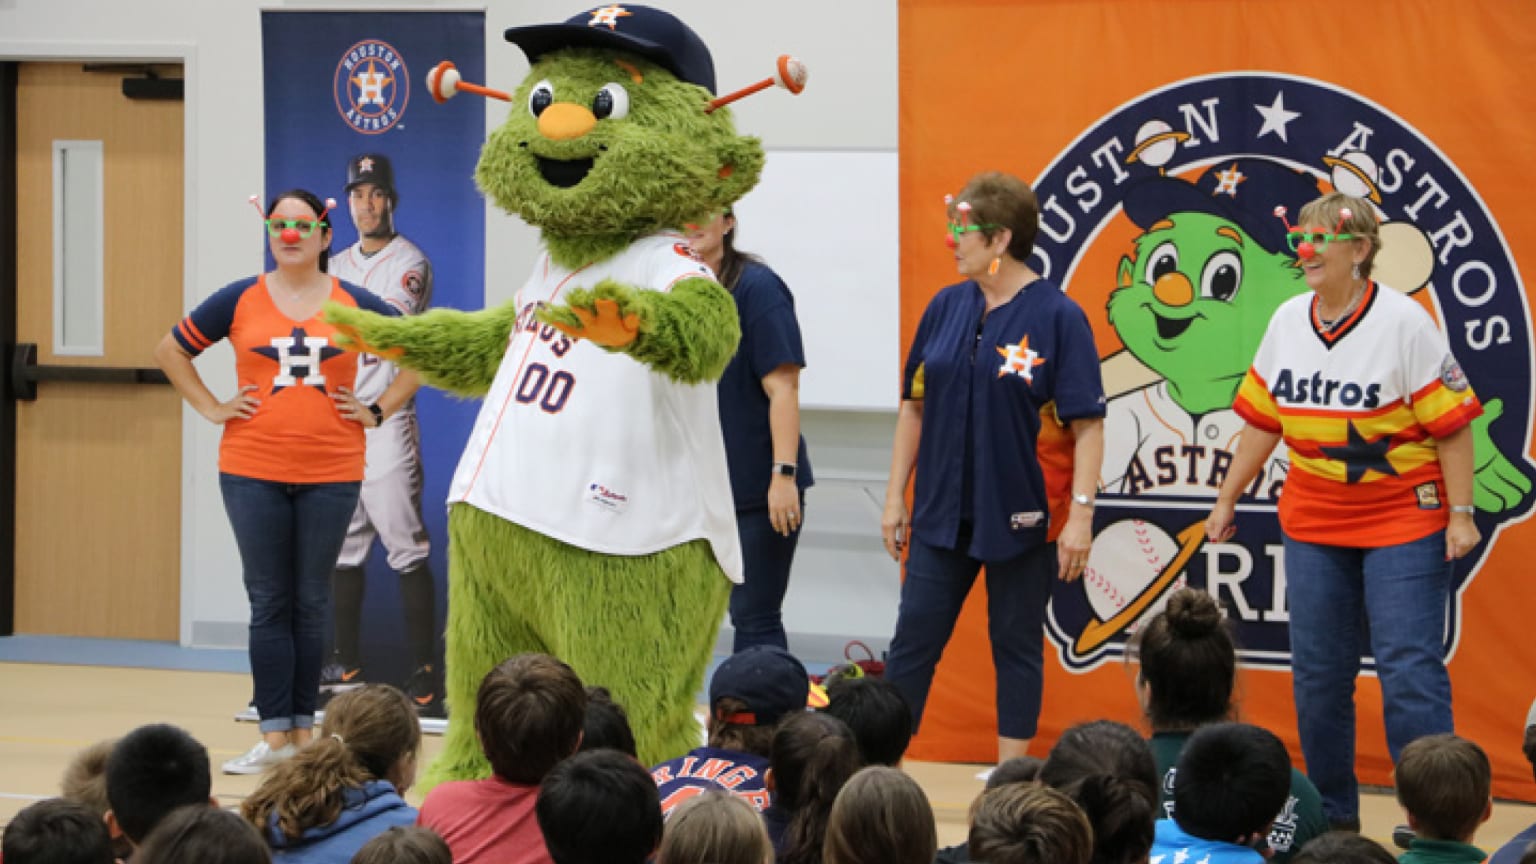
(688, 334)
(454, 351)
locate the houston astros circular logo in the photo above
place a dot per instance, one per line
(372, 87)
(1160, 219)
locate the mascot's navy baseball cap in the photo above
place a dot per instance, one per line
(768, 679)
(371, 168)
(651, 33)
(1246, 191)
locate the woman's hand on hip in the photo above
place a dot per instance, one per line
(242, 407)
(1461, 536)
(783, 504)
(1073, 546)
(352, 409)
(1220, 524)
(895, 525)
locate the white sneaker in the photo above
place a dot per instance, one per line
(259, 758)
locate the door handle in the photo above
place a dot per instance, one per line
(25, 373)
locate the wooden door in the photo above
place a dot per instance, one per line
(98, 465)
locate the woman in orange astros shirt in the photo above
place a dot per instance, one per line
(291, 455)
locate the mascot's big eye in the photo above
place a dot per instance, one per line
(1163, 260)
(611, 102)
(1222, 275)
(542, 97)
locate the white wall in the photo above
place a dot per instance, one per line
(849, 107)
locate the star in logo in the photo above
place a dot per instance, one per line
(1360, 456)
(365, 165)
(1019, 360)
(370, 84)
(1276, 117)
(1226, 181)
(298, 357)
(609, 16)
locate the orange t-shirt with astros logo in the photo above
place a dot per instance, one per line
(297, 434)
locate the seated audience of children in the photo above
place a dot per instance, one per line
(1025, 823)
(813, 755)
(1231, 780)
(85, 783)
(1342, 847)
(56, 831)
(153, 770)
(1019, 769)
(1107, 768)
(599, 807)
(877, 713)
(198, 834)
(410, 844)
(881, 816)
(1444, 785)
(715, 827)
(344, 788)
(606, 724)
(528, 713)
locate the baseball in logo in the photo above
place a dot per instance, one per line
(372, 87)
(1160, 218)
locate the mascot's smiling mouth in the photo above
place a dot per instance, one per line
(1171, 328)
(564, 173)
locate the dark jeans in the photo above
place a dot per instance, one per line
(1400, 595)
(289, 535)
(936, 586)
(757, 604)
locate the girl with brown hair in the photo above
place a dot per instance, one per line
(881, 817)
(344, 789)
(715, 828)
(813, 756)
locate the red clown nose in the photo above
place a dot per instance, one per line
(949, 240)
(290, 237)
(1306, 250)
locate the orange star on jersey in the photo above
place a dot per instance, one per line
(1019, 360)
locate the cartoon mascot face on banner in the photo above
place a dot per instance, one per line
(591, 516)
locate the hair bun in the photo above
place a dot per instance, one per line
(1193, 614)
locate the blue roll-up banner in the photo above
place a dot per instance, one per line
(346, 100)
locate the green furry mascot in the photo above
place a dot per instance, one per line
(591, 514)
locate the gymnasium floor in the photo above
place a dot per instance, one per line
(53, 709)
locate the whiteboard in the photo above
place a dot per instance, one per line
(827, 222)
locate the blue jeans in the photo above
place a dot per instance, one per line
(1392, 601)
(757, 604)
(936, 586)
(289, 535)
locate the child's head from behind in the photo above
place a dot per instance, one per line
(1188, 663)
(878, 715)
(1342, 847)
(1230, 781)
(606, 724)
(748, 695)
(881, 816)
(715, 828)
(1022, 823)
(153, 770)
(813, 755)
(1444, 782)
(56, 831)
(85, 779)
(199, 834)
(599, 807)
(378, 724)
(404, 844)
(1109, 770)
(529, 715)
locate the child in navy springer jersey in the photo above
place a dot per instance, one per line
(748, 695)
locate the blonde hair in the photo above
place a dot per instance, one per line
(1324, 212)
(85, 780)
(715, 828)
(880, 817)
(367, 734)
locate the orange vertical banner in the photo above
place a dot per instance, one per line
(1124, 115)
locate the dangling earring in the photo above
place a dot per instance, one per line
(1355, 272)
(996, 263)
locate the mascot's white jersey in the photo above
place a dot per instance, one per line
(400, 276)
(593, 448)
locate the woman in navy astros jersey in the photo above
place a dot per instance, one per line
(1002, 416)
(760, 420)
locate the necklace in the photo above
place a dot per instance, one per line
(1327, 325)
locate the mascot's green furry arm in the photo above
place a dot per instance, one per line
(591, 516)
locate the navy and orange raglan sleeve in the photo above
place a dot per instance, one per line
(212, 319)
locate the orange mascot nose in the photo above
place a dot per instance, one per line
(563, 121)
(1174, 289)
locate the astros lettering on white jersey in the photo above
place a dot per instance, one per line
(593, 448)
(1360, 408)
(400, 275)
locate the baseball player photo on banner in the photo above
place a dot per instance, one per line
(1164, 189)
(348, 117)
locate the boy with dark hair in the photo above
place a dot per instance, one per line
(877, 713)
(56, 831)
(748, 695)
(599, 807)
(528, 714)
(1021, 823)
(1444, 784)
(607, 724)
(1230, 781)
(153, 770)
